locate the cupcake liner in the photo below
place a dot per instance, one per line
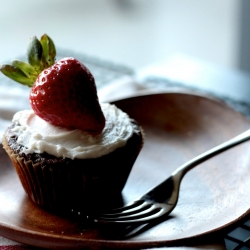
(79, 184)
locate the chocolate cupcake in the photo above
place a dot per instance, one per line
(64, 170)
(69, 150)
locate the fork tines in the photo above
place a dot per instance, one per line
(139, 211)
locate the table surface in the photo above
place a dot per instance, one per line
(194, 74)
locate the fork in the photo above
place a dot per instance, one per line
(160, 201)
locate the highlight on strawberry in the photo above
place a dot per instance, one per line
(62, 93)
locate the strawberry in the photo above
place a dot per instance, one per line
(65, 95)
(62, 93)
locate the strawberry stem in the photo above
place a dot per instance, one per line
(41, 55)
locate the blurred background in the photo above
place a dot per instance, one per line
(132, 32)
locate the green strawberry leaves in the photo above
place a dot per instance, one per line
(34, 53)
(41, 55)
(15, 74)
(49, 51)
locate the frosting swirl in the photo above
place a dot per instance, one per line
(37, 135)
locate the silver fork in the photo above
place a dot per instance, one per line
(162, 199)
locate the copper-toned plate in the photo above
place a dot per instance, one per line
(178, 126)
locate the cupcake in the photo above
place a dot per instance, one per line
(69, 150)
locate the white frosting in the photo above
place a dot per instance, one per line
(36, 135)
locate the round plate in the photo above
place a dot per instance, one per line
(178, 126)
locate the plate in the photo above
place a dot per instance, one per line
(178, 126)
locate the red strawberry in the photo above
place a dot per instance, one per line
(63, 93)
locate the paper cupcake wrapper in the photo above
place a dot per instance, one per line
(78, 185)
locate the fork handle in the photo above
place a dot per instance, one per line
(168, 190)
